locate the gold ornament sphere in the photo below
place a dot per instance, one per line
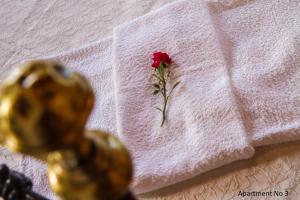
(99, 168)
(43, 111)
(43, 107)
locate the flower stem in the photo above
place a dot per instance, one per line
(165, 97)
(164, 112)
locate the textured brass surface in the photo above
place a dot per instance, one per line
(43, 107)
(43, 111)
(103, 172)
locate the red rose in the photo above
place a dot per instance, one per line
(159, 57)
(155, 64)
(161, 74)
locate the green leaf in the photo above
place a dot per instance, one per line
(176, 84)
(156, 86)
(156, 76)
(155, 92)
(168, 75)
(158, 109)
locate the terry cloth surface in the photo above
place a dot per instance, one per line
(204, 128)
(240, 83)
(261, 43)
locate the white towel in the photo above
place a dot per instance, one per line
(261, 42)
(240, 82)
(204, 129)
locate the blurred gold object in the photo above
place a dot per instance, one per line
(43, 111)
(43, 107)
(104, 170)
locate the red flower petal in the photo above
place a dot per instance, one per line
(156, 55)
(162, 57)
(155, 64)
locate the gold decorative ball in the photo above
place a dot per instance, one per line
(99, 168)
(43, 107)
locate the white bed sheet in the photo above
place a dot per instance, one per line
(35, 28)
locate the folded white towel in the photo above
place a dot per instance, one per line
(240, 82)
(204, 129)
(261, 42)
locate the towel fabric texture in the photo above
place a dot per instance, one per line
(261, 42)
(240, 85)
